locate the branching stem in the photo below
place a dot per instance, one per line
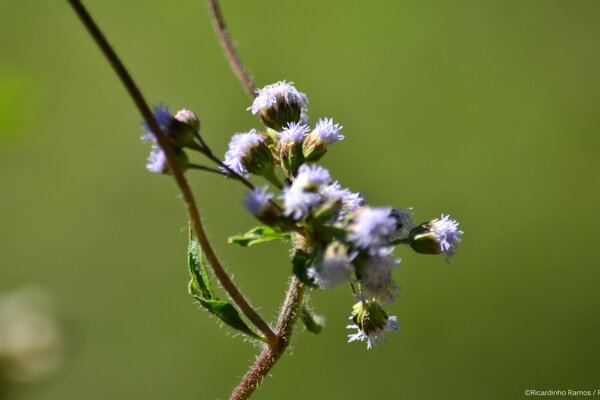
(188, 198)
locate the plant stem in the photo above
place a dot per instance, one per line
(290, 312)
(188, 198)
(235, 62)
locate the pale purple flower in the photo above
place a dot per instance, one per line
(157, 161)
(374, 337)
(295, 132)
(270, 95)
(163, 118)
(447, 234)
(376, 275)
(257, 200)
(304, 192)
(327, 131)
(350, 200)
(334, 268)
(240, 147)
(371, 226)
(297, 202)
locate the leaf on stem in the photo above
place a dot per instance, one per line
(313, 323)
(200, 288)
(257, 235)
(300, 263)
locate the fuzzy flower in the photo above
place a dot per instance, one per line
(327, 131)
(376, 275)
(257, 200)
(247, 153)
(157, 161)
(370, 226)
(293, 133)
(304, 192)
(334, 268)
(439, 236)
(350, 200)
(371, 322)
(279, 104)
(163, 118)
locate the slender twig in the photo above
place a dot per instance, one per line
(235, 62)
(207, 169)
(182, 183)
(271, 354)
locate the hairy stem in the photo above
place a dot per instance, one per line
(290, 312)
(235, 61)
(164, 143)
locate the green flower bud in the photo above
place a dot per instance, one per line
(437, 236)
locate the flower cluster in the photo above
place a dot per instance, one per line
(337, 237)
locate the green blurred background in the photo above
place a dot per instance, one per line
(488, 111)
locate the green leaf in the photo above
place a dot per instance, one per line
(200, 283)
(300, 263)
(260, 234)
(313, 323)
(200, 288)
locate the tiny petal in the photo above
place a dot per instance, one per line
(447, 233)
(157, 161)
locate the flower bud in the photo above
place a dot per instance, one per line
(315, 145)
(290, 147)
(279, 104)
(371, 321)
(248, 154)
(180, 129)
(439, 236)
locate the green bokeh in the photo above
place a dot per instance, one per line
(488, 111)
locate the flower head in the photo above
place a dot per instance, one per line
(181, 129)
(371, 322)
(375, 275)
(327, 131)
(157, 161)
(164, 119)
(279, 104)
(304, 192)
(439, 236)
(248, 154)
(370, 226)
(334, 268)
(350, 200)
(293, 133)
(257, 200)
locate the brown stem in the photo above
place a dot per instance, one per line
(272, 353)
(182, 183)
(235, 61)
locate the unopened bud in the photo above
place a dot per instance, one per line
(315, 145)
(438, 236)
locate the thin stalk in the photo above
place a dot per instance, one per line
(188, 198)
(238, 67)
(290, 311)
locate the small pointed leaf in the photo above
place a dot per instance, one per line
(313, 323)
(260, 234)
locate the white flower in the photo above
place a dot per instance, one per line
(447, 234)
(240, 148)
(327, 131)
(295, 132)
(371, 322)
(350, 200)
(157, 161)
(376, 275)
(375, 337)
(257, 200)
(334, 268)
(280, 92)
(304, 192)
(370, 226)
